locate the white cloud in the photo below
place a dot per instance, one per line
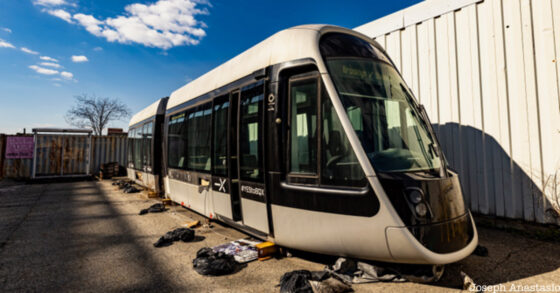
(50, 2)
(164, 24)
(67, 75)
(47, 58)
(97, 49)
(57, 84)
(43, 70)
(47, 71)
(7, 30)
(62, 14)
(80, 58)
(4, 44)
(50, 64)
(28, 51)
(91, 23)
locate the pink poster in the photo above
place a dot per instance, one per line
(19, 147)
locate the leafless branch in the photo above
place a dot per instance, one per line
(91, 111)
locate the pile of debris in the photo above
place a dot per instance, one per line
(302, 281)
(345, 272)
(127, 186)
(339, 277)
(211, 263)
(155, 208)
(183, 234)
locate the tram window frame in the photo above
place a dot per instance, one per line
(138, 148)
(147, 136)
(258, 86)
(220, 101)
(194, 140)
(302, 177)
(321, 180)
(130, 147)
(172, 144)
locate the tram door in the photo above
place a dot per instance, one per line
(225, 175)
(250, 156)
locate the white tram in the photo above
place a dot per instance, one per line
(312, 139)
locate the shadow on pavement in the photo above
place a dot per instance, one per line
(71, 236)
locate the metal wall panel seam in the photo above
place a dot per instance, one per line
(554, 32)
(534, 104)
(483, 126)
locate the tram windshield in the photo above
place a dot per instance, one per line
(379, 106)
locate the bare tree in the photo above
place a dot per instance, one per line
(91, 111)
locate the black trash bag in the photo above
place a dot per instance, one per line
(211, 263)
(131, 189)
(183, 234)
(296, 282)
(123, 184)
(155, 208)
(480, 251)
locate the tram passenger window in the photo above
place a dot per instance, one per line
(138, 148)
(220, 124)
(130, 146)
(148, 127)
(303, 126)
(339, 163)
(198, 138)
(250, 136)
(177, 140)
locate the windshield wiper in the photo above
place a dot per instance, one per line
(426, 119)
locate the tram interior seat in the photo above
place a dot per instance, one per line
(335, 147)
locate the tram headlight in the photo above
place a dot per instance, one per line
(421, 209)
(415, 196)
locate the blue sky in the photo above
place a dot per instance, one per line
(136, 50)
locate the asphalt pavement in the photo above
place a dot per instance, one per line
(88, 236)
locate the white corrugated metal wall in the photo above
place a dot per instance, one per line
(488, 75)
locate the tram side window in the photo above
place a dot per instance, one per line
(339, 163)
(250, 132)
(199, 121)
(130, 146)
(177, 140)
(303, 126)
(147, 141)
(138, 148)
(220, 124)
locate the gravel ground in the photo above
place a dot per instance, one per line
(87, 236)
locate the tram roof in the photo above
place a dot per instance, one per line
(154, 109)
(290, 44)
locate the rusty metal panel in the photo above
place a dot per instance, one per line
(14, 168)
(107, 149)
(61, 155)
(75, 154)
(66, 155)
(18, 168)
(48, 155)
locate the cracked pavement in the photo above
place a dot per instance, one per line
(88, 236)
